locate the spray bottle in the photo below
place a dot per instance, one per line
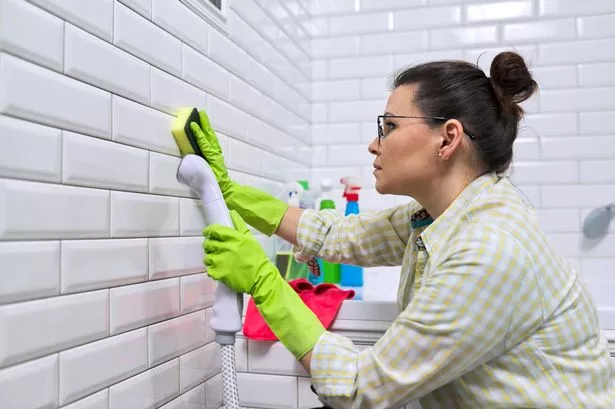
(330, 271)
(351, 275)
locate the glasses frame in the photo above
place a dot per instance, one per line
(381, 134)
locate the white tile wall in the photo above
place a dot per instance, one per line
(108, 270)
(566, 146)
(103, 300)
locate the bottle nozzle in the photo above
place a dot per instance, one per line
(351, 188)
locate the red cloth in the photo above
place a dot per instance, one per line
(324, 300)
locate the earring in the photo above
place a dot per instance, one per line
(439, 154)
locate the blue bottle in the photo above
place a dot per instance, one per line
(351, 276)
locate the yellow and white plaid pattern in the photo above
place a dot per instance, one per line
(497, 319)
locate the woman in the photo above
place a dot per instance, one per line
(492, 316)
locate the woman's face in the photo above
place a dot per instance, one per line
(407, 158)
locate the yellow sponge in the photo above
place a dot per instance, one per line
(184, 138)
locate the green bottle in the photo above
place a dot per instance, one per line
(330, 271)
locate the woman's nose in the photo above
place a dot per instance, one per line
(374, 147)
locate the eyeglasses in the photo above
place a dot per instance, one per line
(384, 129)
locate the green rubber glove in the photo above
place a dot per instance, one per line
(261, 210)
(235, 258)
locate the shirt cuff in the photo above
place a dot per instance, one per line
(311, 234)
(333, 366)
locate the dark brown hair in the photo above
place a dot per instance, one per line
(488, 108)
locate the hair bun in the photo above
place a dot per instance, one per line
(512, 82)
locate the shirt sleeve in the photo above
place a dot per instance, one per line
(458, 319)
(366, 239)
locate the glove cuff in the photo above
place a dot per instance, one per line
(259, 209)
(293, 323)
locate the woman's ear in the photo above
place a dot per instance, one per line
(452, 136)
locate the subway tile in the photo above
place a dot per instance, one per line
(319, 156)
(228, 54)
(375, 88)
(98, 400)
(319, 113)
(140, 215)
(427, 18)
(203, 73)
(31, 385)
(191, 217)
(393, 43)
(356, 110)
(585, 99)
(179, 20)
(598, 171)
(349, 155)
(596, 26)
(140, 37)
(320, 69)
(577, 52)
(42, 327)
(335, 47)
(138, 305)
(335, 90)
(69, 212)
(149, 389)
(325, 7)
(97, 62)
(498, 11)
(245, 96)
(199, 365)
(598, 273)
(532, 193)
(241, 353)
(138, 125)
(171, 338)
(169, 93)
(163, 176)
(539, 125)
(210, 335)
(526, 149)
(540, 31)
(82, 108)
(274, 392)
(226, 118)
(95, 264)
(175, 256)
(307, 399)
(197, 292)
(213, 392)
(96, 18)
(31, 33)
(195, 398)
(463, 37)
(29, 150)
(93, 162)
(94, 366)
(585, 147)
(573, 196)
(244, 157)
(545, 172)
(404, 60)
(359, 24)
(574, 245)
(559, 220)
(29, 270)
(550, 8)
(272, 358)
(335, 173)
(594, 75)
(377, 5)
(143, 7)
(247, 37)
(331, 134)
(597, 122)
(564, 76)
(360, 67)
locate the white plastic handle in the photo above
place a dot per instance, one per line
(194, 172)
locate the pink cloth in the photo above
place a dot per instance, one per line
(324, 300)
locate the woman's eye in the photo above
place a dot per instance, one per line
(389, 125)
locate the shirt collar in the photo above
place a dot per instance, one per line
(455, 211)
